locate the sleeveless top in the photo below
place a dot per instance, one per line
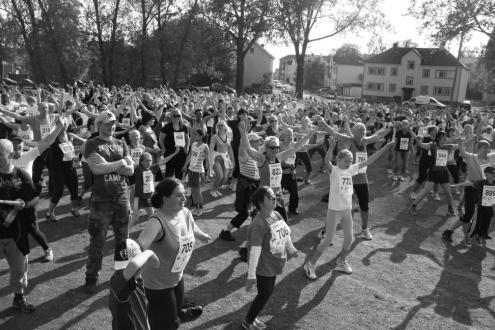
(264, 170)
(249, 169)
(166, 249)
(361, 177)
(197, 158)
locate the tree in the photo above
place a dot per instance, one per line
(347, 50)
(243, 22)
(314, 74)
(297, 18)
(408, 43)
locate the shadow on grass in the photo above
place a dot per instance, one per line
(457, 291)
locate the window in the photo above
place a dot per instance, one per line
(444, 74)
(289, 62)
(251, 49)
(442, 91)
(426, 73)
(409, 80)
(392, 88)
(375, 86)
(423, 90)
(410, 65)
(393, 71)
(376, 71)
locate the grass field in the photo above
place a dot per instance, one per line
(405, 278)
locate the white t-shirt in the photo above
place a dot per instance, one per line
(26, 160)
(341, 189)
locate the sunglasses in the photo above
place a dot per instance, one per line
(270, 197)
(273, 147)
(176, 116)
(219, 126)
(273, 121)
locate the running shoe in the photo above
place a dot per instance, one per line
(343, 266)
(251, 326)
(413, 209)
(214, 194)
(309, 271)
(51, 218)
(321, 234)
(22, 304)
(436, 197)
(308, 182)
(259, 324)
(451, 210)
(226, 236)
(401, 178)
(90, 286)
(48, 255)
(395, 178)
(219, 193)
(366, 234)
(447, 236)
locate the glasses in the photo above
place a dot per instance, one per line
(273, 147)
(220, 126)
(270, 197)
(176, 116)
(273, 121)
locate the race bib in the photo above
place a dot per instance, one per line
(488, 197)
(345, 184)
(275, 175)
(361, 157)
(442, 156)
(26, 135)
(45, 131)
(404, 144)
(210, 123)
(148, 182)
(291, 160)
(68, 151)
(194, 157)
(126, 122)
(186, 245)
(280, 232)
(135, 155)
(179, 139)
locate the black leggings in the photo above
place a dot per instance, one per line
(470, 200)
(37, 234)
(361, 190)
(175, 165)
(164, 306)
(303, 156)
(481, 223)
(65, 175)
(38, 166)
(289, 182)
(454, 171)
(424, 166)
(265, 289)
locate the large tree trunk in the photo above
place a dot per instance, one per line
(113, 42)
(299, 76)
(144, 26)
(239, 73)
(101, 44)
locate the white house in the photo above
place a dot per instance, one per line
(404, 72)
(346, 74)
(287, 66)
(258, 64)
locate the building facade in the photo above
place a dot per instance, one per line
(346, 75)
(258, 66)
(403, 72)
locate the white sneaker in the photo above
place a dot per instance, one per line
(48, 255)
(396, 178)
(436, 197)
(412, 196)
(219, 194)
(343, 266)
(309, 271)
(401, 178)
(366, 234)
(214, 194)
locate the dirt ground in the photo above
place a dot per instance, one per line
(405, 278)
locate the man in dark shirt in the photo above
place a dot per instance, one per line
(18, 198)
(127, 301)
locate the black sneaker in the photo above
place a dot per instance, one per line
(51, 218)
(20, 303)
(447, 236)
(190, 313)
(90, 286)
(243, 254)
(226, 236)
(75, 213)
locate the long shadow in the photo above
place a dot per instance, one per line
(411, 240)
(95, 305)
(457, 291)
(49, 310)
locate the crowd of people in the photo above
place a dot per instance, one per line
(139, 150)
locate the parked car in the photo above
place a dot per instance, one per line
(424, 100)
(222, 88)
(288, 89)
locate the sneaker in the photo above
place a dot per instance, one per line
(294, 212)
(250, 326)
(451, 210)
(190, 313)
(90, 287)
(308, 182)
(219, 194)
(413, 209)
(214, 194)
(343, 266)
(321, 234)
(401, 178)
(395, 178)
(412, 196)
(259, 324)
(366, 234)
(75, 213)
(48, 255)
(22, 304)
(51, 218)
(226, 235)
(447, 236)
(309, 271)
(199, 212)
(436, 197)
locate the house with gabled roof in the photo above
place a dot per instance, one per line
(405, 72)
(258, 65)
(346, 74)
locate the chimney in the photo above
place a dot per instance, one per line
(395, 44)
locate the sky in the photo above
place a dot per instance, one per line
(403, 27)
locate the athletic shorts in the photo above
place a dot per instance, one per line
(194, 179)
(438, 176)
